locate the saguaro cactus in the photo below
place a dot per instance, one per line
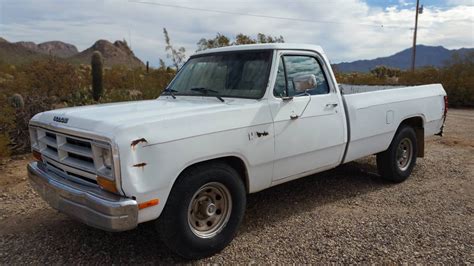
(97, 65)
(17, 101)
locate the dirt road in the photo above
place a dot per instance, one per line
(344, 215)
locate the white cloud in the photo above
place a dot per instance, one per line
(404, 3)
(345, 34)
(461, 2)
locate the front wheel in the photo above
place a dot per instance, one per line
(397, 162)
(203, 211)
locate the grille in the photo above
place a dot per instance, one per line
(68, 156)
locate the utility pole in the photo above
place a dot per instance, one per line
(413, 57)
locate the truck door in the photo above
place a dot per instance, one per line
(308, 117)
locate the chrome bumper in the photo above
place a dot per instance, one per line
(90, 205)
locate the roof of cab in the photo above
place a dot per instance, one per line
(264, 46)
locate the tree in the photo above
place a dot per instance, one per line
(221, 40)
(262, 38)
(178, 56)
(241, 39)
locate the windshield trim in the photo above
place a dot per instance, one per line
(267, 75)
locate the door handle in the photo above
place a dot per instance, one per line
(331, 105)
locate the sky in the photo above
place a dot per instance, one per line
(348, 30)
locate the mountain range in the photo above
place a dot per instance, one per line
(435, 56)
(117, 53)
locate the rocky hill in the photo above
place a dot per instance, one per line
(58, 48)
(13, 53)
(117, 53)
(55, 48)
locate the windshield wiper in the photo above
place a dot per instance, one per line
(205, 91)
(170, 92)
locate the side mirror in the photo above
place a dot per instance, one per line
(302, 83)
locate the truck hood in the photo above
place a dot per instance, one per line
(164, 114)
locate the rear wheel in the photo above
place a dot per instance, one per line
(203, 211)
(397, 162)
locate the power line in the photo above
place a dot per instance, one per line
(263, 16)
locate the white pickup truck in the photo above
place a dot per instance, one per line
(234, 121)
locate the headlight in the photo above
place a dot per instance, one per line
(104, 160)
(107, 158)
(105, 167)
(33, 138)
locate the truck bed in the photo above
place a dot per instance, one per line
(352, 89)
(375, 112)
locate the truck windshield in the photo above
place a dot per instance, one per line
(240, 74)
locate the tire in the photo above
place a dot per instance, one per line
(196, 222)
(397, 162)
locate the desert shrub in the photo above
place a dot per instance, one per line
(457, 78)
(7, 121)
(382, 72)
(4, 146)
(124, 84)
(14, 122)
(43, 85)
(54, 83)
(53, 78)
(153, 83)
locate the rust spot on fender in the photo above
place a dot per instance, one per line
(135, 142)
(140, 165)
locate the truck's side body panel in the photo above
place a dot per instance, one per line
(375, 116)
(155, 141)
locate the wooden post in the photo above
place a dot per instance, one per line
(413, 57)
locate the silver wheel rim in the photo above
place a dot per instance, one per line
(209, 210)
(404, 154)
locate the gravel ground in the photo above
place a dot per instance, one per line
(347, 215)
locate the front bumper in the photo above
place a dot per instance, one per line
(90, 205)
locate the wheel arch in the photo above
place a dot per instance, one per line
(417, 123)
(237, 163)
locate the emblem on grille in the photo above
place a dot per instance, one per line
(60, 119)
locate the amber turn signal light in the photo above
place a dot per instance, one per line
(149, 203)
(37, 155)
(107, 184)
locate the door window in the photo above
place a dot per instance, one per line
(294, 69)
(280, 83)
